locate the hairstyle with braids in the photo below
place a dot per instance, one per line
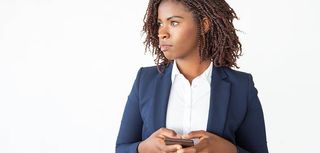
(220, 44)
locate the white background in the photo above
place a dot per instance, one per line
(67, 66)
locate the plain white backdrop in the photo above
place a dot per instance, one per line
(67, 66)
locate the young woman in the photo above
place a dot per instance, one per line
(192, 92)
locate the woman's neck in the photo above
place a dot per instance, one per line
(192, 68)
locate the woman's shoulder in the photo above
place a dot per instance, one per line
(156, 70)
(147, 73)
(236, 75)
(232, 71)
(149, 70)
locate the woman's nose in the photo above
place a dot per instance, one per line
(163, 34)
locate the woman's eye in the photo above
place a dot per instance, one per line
(174, 23)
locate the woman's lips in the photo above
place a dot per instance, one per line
(165, 47)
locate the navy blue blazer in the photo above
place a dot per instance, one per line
(235, 111)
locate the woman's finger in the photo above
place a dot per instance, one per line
(195, 134)
(171, 148)
(164, 132)
(187, 150)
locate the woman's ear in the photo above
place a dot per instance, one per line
(206, 24)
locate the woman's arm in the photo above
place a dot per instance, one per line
(130, 131)
(251, 135)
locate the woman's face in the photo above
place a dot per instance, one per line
(177, 31)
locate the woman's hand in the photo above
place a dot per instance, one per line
(155, 143)
(209, 143)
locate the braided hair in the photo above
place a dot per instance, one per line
(219, 43)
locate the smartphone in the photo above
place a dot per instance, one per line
(183, 142)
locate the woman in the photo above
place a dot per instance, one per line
(192, 92)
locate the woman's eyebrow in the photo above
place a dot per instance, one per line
(169, 18)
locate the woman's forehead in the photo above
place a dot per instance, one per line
(170, 8)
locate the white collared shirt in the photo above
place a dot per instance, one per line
(188, 105)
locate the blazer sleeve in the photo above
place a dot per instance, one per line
(251, 135)
(129, 135)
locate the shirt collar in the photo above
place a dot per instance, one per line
(206, 74)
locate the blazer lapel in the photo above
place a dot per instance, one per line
(161, 98)
(219, 100)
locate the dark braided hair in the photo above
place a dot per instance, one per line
(219, 44)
